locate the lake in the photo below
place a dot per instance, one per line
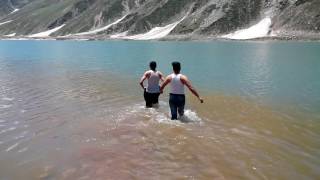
(74, 110)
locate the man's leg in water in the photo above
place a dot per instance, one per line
(173, 107)
(181, 103)
(147, 98)
(155, 100)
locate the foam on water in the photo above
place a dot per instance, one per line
(190, 116)
(23, 150)
(21, 135)
(240, 132)
(12, 147)
(7, 130)
(7, 99)
(159, 114)
(5, 106)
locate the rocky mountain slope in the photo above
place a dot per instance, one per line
(152, 19)
(9, 6)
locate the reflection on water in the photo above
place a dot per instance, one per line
(257, 71)
(86, 121)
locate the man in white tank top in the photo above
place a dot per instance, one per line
(152, 91)
(177, 94)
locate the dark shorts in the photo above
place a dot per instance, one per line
(151, 98)
(177, 102)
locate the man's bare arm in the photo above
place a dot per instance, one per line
(165, 83)
(144, 77)
(161, 77)
(186, 81)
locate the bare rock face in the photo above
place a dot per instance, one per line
(196, 17)
(9, 6)
(300, 16)
(5, 9)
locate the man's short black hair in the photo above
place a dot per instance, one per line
(176, 66)
(153, 65)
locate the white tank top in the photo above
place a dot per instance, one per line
(177, 87)
(153, 82)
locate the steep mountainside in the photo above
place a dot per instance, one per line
(10, 6)
(300, 17)
(151, 19)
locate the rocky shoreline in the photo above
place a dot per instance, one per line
(306, 37)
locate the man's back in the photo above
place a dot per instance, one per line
(152, 91)
(177, 87)
(153, 81)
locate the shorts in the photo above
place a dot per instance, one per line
(151, 98)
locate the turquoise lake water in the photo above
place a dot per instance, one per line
(62, 84)
(274, 72)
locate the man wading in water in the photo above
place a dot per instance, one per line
(152, 91)
(177, 97)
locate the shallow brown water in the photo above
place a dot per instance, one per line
(74, 110)
(93, 126)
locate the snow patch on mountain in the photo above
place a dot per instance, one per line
(154, 33)
(46, 33)
(10, 35)
(262, 29)
(100, 29)
(119, 35)
(5, 22)
(14, 11)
